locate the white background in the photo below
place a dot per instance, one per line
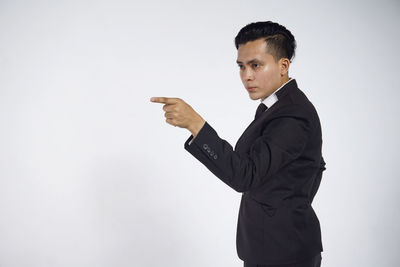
(92, 175)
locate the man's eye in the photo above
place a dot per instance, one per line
(255, 65)
(240, 66)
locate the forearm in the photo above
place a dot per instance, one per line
(239, 171)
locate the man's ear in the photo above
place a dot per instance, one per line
(284, 64)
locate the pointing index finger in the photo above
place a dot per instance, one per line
(165, 100)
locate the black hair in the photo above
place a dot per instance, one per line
(280, 41)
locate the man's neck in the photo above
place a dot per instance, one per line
(283, 81)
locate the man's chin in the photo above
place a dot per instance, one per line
(254, 96)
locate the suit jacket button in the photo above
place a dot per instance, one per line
(215, 156)
(212, 153)
(205, 146)
(208, 150)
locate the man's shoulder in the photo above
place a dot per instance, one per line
(295, 104)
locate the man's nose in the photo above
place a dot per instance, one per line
(248, 74)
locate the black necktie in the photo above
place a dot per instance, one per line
(261, 108)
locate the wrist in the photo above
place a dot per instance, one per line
(196, 127)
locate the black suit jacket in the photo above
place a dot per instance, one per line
(277, 166)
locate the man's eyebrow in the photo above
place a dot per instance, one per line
(248, 62)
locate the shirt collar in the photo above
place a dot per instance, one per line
(272, 98)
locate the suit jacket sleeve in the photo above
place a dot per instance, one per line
(281, 141)
(317, 180)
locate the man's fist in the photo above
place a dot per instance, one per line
(179, 113)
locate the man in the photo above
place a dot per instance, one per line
(276, 164)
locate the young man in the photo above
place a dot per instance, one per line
(276, 164)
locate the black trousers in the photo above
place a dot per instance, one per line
(313, 262)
